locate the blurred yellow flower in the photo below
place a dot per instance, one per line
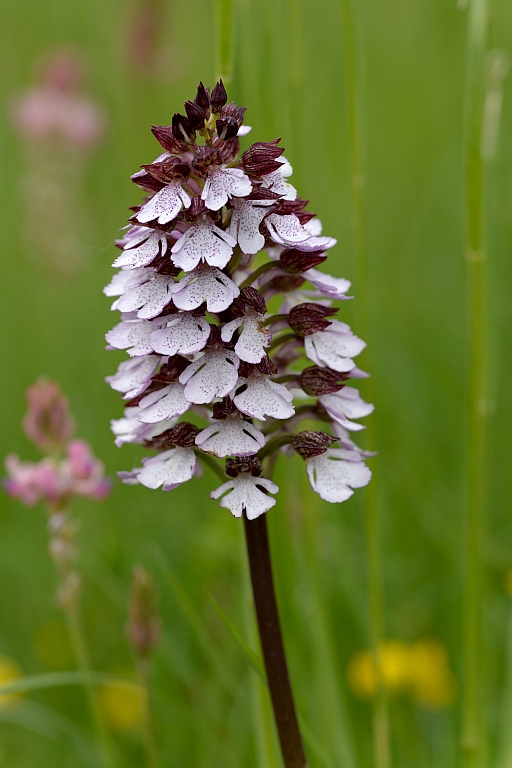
(507, 581)
(420, 669)
(122, 706)
(9, 671)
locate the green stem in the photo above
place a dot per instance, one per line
(472, 735)
(147, 730)
(224, 41)
(257, 273)
(274, 445)
(82, 659)
(210, 462)
(381, 740)
(282, 340)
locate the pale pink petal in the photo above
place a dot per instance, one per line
(344, 405)
(166, 403)
(207, 284)
(258, 397)
(332, 287)
(247, 493)
(132, 335)
(213, 375)
(275, 181)
(184, 334)
(165, 205)
(223, 184)
(334, 473)
(118, 283)
(244, 130)
(149, 297)
(142, 249)
(203, 241)
(253, 338)
(133, 376)
(231, 437)
(245, 222)
(130, 430)
(334, 347)
(169, 469)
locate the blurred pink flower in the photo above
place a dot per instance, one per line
(48, 422)
(56, 109)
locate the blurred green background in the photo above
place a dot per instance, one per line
(206, 699)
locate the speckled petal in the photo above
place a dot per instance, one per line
(184, 334)
(213, 375)
(247, 493)
(230, 437)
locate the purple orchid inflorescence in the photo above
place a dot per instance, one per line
(217, 239)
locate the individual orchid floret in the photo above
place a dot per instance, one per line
(336, 472)
(166, 470)
(334, 347)
(165, 205)
(245, 224)
(247, 494)
(217, 236)
(205, 285)
(231, 437)
(204, 241)
(222, 185)
(183, 333)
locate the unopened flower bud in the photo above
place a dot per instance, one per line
(182, 129)
(48, 421)
(316, 381)
(143, 625)
(261, 158)
(219, 97)
(308, 443)
(309, 318)
(295, 262)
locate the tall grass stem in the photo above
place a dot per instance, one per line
(381, 740)
(224, 34)
(473, 741)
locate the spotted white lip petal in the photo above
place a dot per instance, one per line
(246, 493)
(133, 376)
(141, 249)
(230, 437)
(118, 283)
(275, 181)
(213, 375)
(165, 205)
(344, 405)
(203, 241)
(332, 287)
(334, 473)
(253, 338)
(245, 222)
(334, 347)
(184, 334)
(258, 397)
(166, 403)
(132, 335)
(169, 469)
(130, 430)
(223, 184)
(286, 229)
(149, 297)
(205, 284)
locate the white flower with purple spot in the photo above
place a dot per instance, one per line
(344, 405)
(331, 287)
(259, 396)
(141, 248)
(222, 185)
(165, 205)
(247, 494)
(204, 241)
(164, 404)
(253, 338)
(335, 472)
(134, 376)
(212, 375)
(183, 334)
(230, 437)
(169, 469)
(286, 230)
(130, 430)
(132, 335)
(205, 284)
(149, 297)
(334, 347)
(245, 223)
(275, 181)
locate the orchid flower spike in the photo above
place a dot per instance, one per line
(215, 237)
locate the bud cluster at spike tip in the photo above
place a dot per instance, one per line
(217, 236)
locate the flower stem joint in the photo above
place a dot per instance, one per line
(218, 235)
